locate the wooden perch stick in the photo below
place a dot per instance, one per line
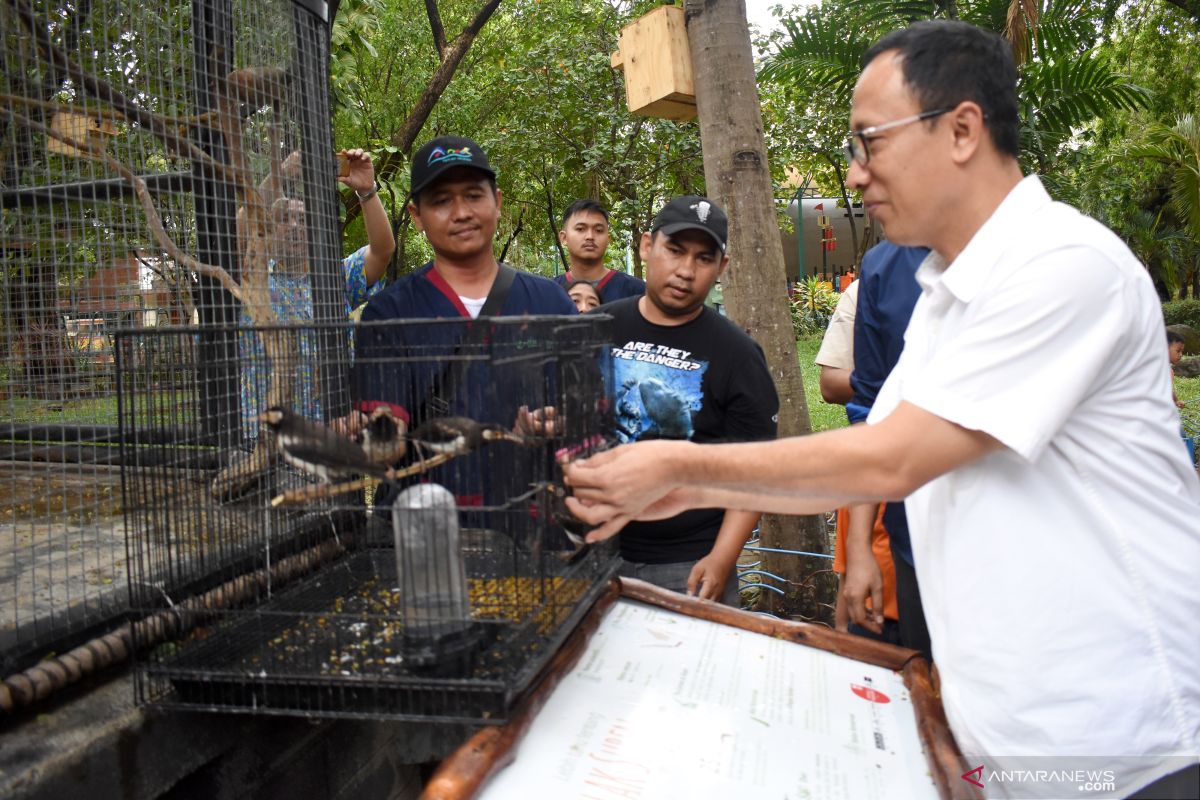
(317, 491)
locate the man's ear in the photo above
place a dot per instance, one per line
(967, 129)
(414, 211)
(562, 237)
(724, 264)
(499, 200)
(644, 246)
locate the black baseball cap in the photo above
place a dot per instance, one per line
(443, 153)
(693, 213)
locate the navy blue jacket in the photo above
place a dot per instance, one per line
(887, 292)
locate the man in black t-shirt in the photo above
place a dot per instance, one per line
(682, 371)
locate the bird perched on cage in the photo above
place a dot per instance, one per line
(456, 436)
(575, 528)
(314, 448)
(383, 438)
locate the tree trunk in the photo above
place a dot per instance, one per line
(738, 177)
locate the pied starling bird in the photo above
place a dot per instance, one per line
(314, 448)
(456, 436)
(383, 439)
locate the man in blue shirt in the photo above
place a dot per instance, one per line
(456, 204)
(585, 236)
(888, 290)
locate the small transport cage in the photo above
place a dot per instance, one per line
(358, 521)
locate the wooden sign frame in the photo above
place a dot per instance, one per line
(463, 774)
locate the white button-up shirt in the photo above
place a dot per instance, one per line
(1060, 576)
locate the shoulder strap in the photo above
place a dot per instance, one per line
(499, 291)
(442, 391)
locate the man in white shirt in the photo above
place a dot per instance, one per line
(1055, 519)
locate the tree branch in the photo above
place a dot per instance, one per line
(562, 256)
(143, 194)
(512, 236)
(95, 112)
(435, 24)
(407, 135)
(1189, 7)
(105, 93)
(404, 138)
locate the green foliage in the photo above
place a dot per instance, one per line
(1178, 149)
(812, 305)
(1129, 167)
(1066, 80)
(1182, 312)
(538, 92)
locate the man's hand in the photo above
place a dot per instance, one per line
(841, 617)
(634, 481)
(864, 581)
(708, 577)
(538, 423)
(361, 177)
(290, 167)
(349, 425)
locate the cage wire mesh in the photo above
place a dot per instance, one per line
(166, 163)
(328, 563)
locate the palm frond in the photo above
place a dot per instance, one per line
(1178, 148)
(1020, 25)
(1062, 95)
(819, 55)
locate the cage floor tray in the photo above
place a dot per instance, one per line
(335, 645)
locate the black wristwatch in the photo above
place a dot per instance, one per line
(365, 196)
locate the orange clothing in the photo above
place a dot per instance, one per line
(881, 546)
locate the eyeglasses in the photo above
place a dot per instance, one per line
(856, 145)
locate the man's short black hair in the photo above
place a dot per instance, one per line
(583, 206)
(1173, 337)
(947, 61)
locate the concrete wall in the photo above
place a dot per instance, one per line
(98, 745)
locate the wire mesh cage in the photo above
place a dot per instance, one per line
(403, 551)
(160, 164)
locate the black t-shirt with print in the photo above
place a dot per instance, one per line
(705, 381)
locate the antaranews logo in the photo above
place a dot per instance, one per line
(1033, 782)
(977, 773)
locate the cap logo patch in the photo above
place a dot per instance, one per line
(443, 154)
(701, 210)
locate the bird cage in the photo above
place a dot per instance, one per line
(656, 58)
(154, 159)
(407, 555)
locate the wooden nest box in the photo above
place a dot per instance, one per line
(657, 62)
(81, 128)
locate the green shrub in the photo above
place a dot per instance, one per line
(1182, 312)
(812, 306)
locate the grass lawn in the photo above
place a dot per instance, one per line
(156, 407)
(1186, 389)
(824, 415)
